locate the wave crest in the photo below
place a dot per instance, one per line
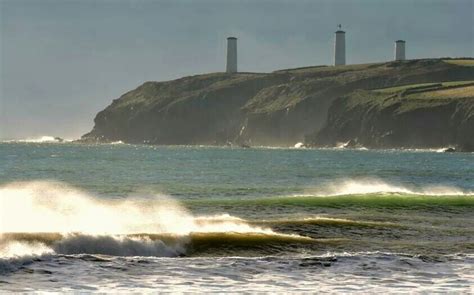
(40, 139)
(375, 186)
(117, 246)
(18, 245)
(82, 223)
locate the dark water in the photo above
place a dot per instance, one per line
(123, 217)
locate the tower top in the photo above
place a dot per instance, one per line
(231, 66)
(400, 41)
(339, 31)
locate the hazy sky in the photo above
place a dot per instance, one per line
(63, 61)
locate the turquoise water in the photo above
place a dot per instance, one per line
(125, 217)
(206, 172)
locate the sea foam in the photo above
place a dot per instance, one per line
(373, 186)
(93, 225)
(40, 139)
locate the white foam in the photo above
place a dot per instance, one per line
(40, 139)
(117, 142)
(14, 249)
(299, 145)
(373, 186)
(43, 206)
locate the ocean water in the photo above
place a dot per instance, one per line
(117, 217)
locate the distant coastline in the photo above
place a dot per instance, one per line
(426, 104)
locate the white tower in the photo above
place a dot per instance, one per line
(399, 50)
(340, 47)
(231, 55)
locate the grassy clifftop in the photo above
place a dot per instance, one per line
(278, 108)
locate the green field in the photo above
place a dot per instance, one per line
(435, 86)
(460, 62)
(450, 93)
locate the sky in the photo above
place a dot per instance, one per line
(62, 61)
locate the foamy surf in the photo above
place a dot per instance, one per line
(51, 217)
(15, 245)
(375, 186)
(40, 139)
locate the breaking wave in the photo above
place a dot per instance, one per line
(360, 193)
(41, 139)
(21, 244)
(159, 245)
(372, 186)
(49, 217)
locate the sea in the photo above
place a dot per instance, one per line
(120, 218)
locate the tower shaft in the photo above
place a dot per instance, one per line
(231, 55)
(399, 50)
(340, 48)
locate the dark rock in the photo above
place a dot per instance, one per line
(449, 150)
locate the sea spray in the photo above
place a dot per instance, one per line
(52, 217)
(43, 206)
(372, 186)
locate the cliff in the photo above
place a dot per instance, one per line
(276, 109)
(432, 115)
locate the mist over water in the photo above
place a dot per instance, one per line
(139, 217)
(56, 207)
(50, 217)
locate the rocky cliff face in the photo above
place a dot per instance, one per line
(277, 109)
(428, 117)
